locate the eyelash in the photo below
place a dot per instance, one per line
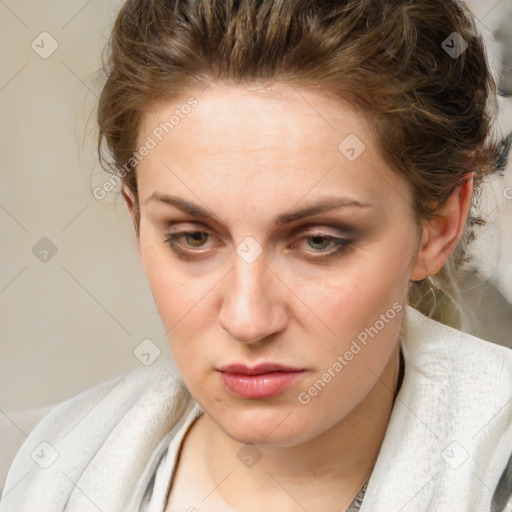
(341, 244)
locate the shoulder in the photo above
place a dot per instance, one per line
(461, 385)
(434, 343)
(451, 421)
(105, 404)
(73, 434)
(461, 371)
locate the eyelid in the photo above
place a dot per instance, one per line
(342, 244)
(300, 225)
(340, 230)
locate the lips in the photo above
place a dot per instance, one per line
(259, 369)
(259, 382)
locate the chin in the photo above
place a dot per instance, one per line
(262, 424)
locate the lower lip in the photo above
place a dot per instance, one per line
(258, 387)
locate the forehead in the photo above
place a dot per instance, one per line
(269, 117)
(278, 140)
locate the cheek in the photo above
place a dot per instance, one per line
(362, 307)
(353, 297)
(183, 303)
(173, 295)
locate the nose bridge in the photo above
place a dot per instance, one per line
(250, 278)
(250, 310)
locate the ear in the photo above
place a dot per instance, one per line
(442, 233)
(133, 209)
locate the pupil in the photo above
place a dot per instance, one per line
(318, 240)
(195, 237)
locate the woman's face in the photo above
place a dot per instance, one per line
(273, 232)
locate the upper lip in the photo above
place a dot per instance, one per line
(259, 369)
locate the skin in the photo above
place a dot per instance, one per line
(248, 154)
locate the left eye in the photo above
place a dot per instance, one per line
(322, 241)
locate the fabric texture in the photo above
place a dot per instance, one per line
(447, 447)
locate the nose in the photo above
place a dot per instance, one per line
(252, 309)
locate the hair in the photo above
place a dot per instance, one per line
(430, 109)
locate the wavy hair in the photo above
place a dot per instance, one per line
(417, 69)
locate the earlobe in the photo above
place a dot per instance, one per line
(442, 233)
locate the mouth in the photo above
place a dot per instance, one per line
(263, 381)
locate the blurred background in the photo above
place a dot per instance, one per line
(75, 306)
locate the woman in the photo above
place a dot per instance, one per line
(297, 173)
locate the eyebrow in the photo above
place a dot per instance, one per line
(323, 205)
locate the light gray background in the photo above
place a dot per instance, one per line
(75, 320)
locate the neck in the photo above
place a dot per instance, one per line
(320, 474)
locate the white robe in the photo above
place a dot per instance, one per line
(448, 442)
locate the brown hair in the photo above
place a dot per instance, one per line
(404, 64)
